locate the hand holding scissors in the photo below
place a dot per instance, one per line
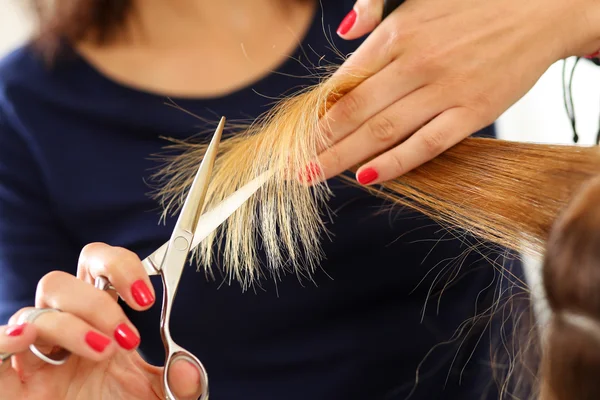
(66, 326)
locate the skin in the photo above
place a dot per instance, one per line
(439, 69)
(114, 373)
(163, 50)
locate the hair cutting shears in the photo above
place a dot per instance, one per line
(169, 260)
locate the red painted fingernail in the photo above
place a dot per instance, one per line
(366, 176)
(593, 55)
(311, 171)
(15, 330)
(347, 23)
(141, 293)
(97, 341)
(126, 338)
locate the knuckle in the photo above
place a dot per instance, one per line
(101, 259)
(382, 129)
(119, 258)
(481, 103)
(427, 61)
(397, 163)
(91, 248)
(50, 282)
(395, 40)
(389, 45)
(88, 251)
(325, 129)
(350, 106)
(434, 142)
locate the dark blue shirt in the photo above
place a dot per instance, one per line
(393, 290)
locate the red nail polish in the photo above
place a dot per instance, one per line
(97, 341)
(366, 176)
(347, 23)
(593, 55)
(141, 293)
(15, 330)
(310, 173)
(126, 338)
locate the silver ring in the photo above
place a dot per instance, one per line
(29, 316)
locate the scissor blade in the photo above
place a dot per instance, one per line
(210, 221)
(190, 212)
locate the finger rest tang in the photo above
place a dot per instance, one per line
(103, 283)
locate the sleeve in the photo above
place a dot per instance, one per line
(32, 242)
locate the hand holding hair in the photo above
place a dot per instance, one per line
(436, 71)
(452, 69)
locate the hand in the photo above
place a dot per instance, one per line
(439, 70)
(104, 363)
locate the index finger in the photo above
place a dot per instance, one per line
(122, 268)
(356, 76)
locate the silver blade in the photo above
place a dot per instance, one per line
(190, 212)
(210, 221)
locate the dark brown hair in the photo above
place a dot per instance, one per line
(73, 20)
(571, 362)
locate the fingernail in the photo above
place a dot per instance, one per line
(310, 172)
(593, 55)
(126, 338)
(15, 330)
(141, 293)
(97, 341)
(347, 23)
(367, 176)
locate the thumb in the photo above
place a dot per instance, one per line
(185, 380)
(364, 17)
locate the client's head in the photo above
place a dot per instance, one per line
(571, 272)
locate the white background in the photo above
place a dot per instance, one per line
(538, 117)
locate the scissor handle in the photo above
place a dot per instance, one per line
(173, 350)
(176, 353)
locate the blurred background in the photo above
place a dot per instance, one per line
(540, 116)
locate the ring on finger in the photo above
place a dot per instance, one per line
(55, 358)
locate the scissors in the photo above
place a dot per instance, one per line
(169, 260)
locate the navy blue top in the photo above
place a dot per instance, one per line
(75, 153)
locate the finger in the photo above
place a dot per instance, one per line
(369, 98)
(65, 330)
(94, 306)
(382, 46)
(123, 269)
(14, 339)
(362, 19)
(440, 134)
(383, 131)
(184, 378)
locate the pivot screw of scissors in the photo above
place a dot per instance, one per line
(181, 243)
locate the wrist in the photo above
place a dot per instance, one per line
(584, 40)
